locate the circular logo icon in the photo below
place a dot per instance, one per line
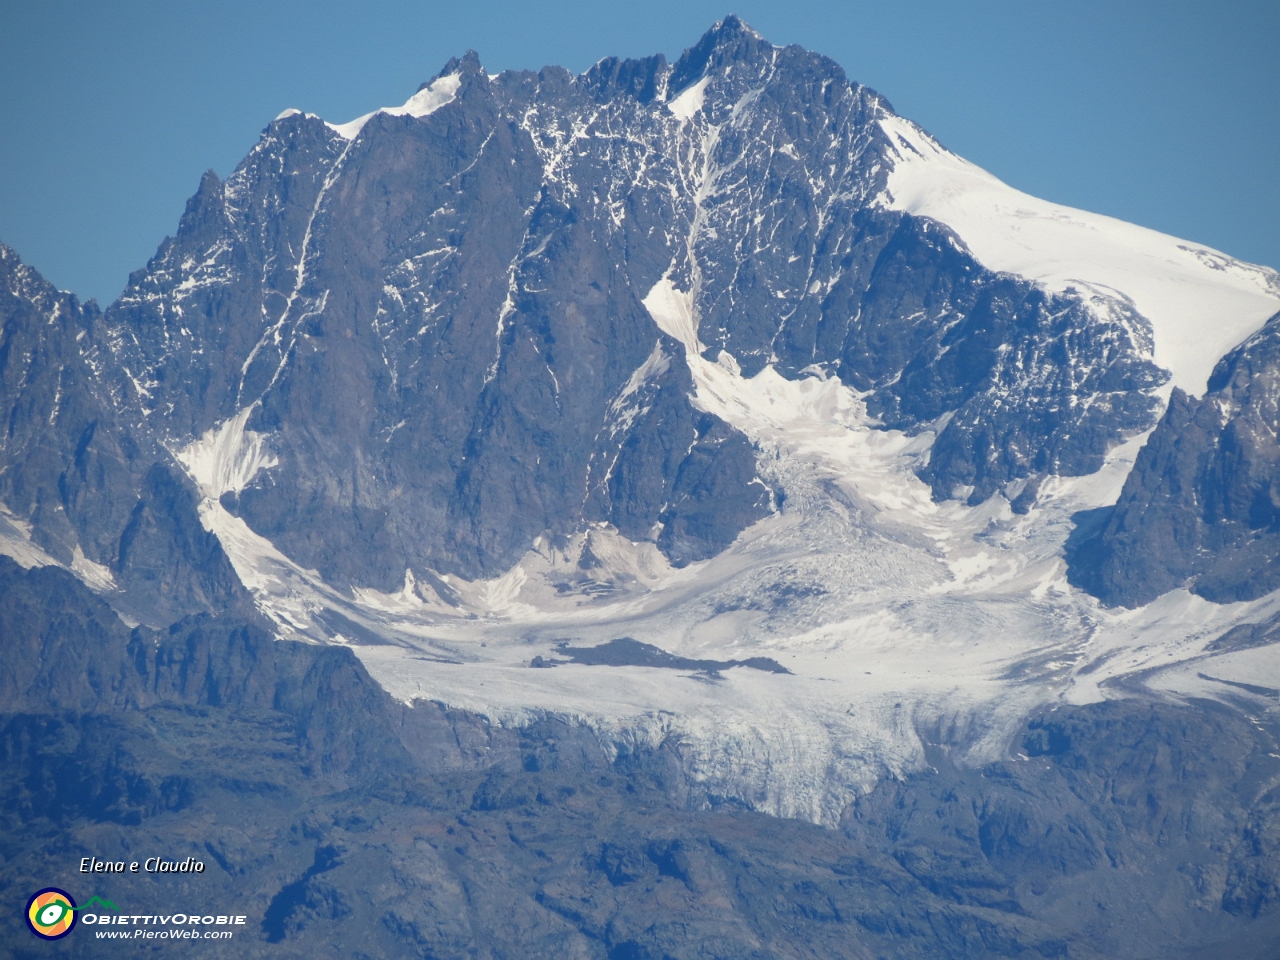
(51, 913)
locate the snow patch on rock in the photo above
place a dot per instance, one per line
(689, 102)
(227, 457)
(423, 103)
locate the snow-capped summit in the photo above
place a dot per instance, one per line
(1201, 302)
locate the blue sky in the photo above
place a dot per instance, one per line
(1163, 113)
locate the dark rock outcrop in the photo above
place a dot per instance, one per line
(86, 472)
(68, 465)
(1201, 507)
(167, 564)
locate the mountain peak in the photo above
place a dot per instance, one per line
(729, 41)
(733, 27)
(467, 65)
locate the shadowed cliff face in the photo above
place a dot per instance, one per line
(341, 821)
(1201, 507)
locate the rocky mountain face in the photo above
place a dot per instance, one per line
(93, 483)
(444, 321)
(1201, 507)
(62, 443)
(440, 321)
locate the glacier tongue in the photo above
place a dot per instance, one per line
(1200, 302)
